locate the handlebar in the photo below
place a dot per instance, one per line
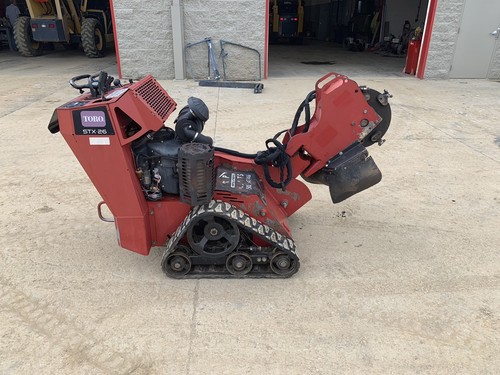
(97, 83)
(73, 81)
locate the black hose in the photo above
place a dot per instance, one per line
(235, 153)
(276, 155)
(304, 105)
(309, 98)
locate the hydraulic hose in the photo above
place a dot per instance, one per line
(276, 155)
(304, 105)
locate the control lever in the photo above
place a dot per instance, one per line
(102, 83)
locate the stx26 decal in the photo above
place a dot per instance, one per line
(92, 122)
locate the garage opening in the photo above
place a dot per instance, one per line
(56, 29)
(352, 37)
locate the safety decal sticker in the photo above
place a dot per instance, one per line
(99, 141)
(235, 181)
(116, 93)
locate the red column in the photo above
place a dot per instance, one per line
(424, 50)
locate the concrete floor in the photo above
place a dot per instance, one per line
(402, 278)
(287, 60)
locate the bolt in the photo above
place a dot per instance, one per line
(353, 123)
(262, 213)
(383, 99)
(363, 122)
(365, 111)
(284, 204)
(283, 263)
(214, 232)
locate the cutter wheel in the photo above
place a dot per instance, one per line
(219, 236)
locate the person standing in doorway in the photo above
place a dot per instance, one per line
(12, 12)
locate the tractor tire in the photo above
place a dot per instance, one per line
(93, 38)
(24, 38)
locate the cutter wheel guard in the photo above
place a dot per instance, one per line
(217, 213)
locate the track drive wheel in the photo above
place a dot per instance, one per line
(93, 38)
(24, 38)
(213, 236)
(177, 264)
(239, 263)
(281, 264)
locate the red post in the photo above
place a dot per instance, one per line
(426, 40)
(115, 35)
(266, 41)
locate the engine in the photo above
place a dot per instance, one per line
(179, 162)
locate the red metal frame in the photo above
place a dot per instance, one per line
(115, 35)
(340, 107)
(266, 40)
(108, 160)
(426, 40)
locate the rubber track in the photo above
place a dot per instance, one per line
(277, 241)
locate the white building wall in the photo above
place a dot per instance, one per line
(444, 38)
(144, 36)
(238, 21)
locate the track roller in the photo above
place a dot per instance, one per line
(177, 264)
(239, 263)
(282, 264)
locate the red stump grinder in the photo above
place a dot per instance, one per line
(217, 213)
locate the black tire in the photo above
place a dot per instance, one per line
(93, 38)
(24, 38)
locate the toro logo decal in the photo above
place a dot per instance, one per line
(94, 121)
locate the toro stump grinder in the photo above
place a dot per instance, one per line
(218, 213)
